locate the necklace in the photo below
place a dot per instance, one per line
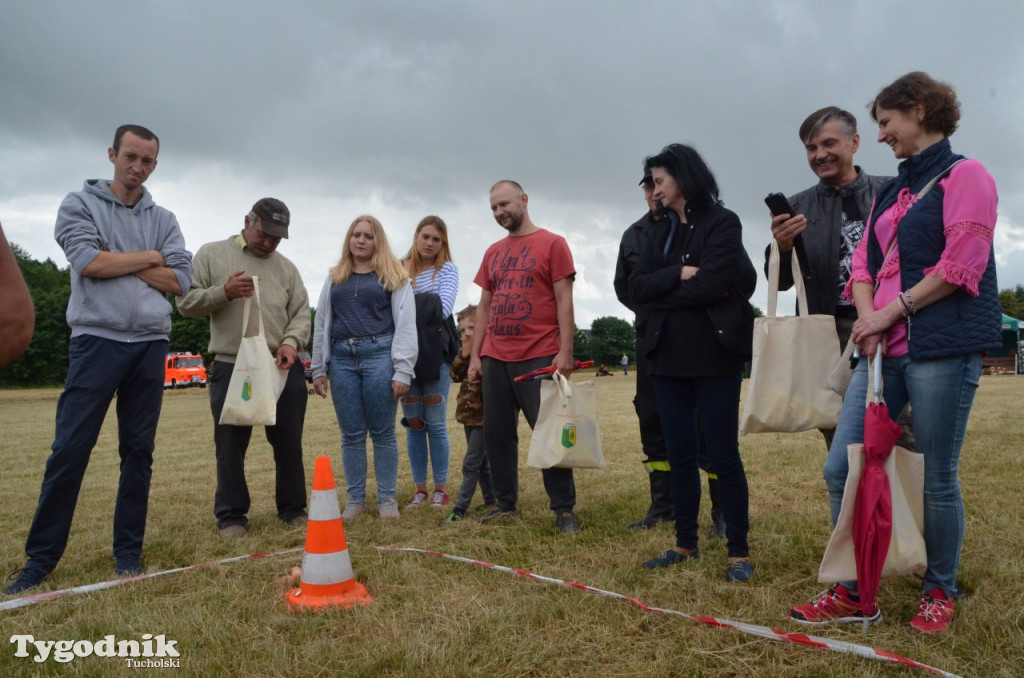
(358, 276)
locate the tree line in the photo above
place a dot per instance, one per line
(45, 362)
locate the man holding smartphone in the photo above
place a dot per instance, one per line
(829, 216)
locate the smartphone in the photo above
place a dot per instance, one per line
(778, 204)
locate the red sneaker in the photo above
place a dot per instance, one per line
(833, 606)
(440, 499)
(934, 613)
(417, 499)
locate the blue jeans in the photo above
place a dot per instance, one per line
(717, 400)
(360, 374)
(940, 393)
(418, 403)
(97, 368)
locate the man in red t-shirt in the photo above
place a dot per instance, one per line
(526, 314)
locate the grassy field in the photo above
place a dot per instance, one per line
(435, 617)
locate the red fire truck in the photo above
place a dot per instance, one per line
(184, 369)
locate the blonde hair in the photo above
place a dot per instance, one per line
(443, 257)
(389, 270)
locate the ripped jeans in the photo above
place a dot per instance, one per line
(427, 404)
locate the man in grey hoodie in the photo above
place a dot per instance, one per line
(126, 255)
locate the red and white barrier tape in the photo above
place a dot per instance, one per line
(88, 588)
(751, 629)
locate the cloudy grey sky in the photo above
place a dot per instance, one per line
(402, 109)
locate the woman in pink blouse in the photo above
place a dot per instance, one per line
(924, 282)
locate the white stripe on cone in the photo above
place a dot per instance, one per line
(323, 505)
(326, 568)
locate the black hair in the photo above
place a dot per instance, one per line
(137, 130)
(690, 172)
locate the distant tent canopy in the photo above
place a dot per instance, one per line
(1008, 358)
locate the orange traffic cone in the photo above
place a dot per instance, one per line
(326, 579)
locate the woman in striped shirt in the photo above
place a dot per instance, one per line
(429, 265)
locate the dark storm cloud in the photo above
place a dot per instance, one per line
(409, 108)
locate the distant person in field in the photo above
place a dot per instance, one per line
(625, 364)
(602, 371)
(17, 314)
(223, 280)
(525, 318)
(126, 254)
(470, 413)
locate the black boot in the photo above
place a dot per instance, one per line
(717, 528)
(662, 510)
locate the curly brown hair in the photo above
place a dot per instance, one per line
(938, 99)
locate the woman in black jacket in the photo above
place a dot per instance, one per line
(695, 279)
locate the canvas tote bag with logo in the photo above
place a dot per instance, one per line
(256, 382)
(566, 434)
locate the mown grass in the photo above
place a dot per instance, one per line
(433, 617)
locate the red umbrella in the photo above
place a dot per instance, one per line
(872, 512)
(546, 371)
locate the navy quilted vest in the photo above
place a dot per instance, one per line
(959, 324)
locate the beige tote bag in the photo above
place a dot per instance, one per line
(793, 358)
(907, 550)
(256, 382)
(566, 434)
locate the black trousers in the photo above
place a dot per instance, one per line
(504, 399)
(652, 440)
(231, 501)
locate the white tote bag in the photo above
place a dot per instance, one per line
(907, 550)
(256, 382)
(566, 434)
(793, 358)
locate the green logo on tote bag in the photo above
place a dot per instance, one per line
(569, 435)
(247, 389)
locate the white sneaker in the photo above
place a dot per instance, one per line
(388, 509)
(353, 509)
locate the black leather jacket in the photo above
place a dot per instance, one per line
(823, 207)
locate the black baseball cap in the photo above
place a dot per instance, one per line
(648, 179)
(274, 217)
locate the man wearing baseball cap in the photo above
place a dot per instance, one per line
(222, 280)
(651, 439)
